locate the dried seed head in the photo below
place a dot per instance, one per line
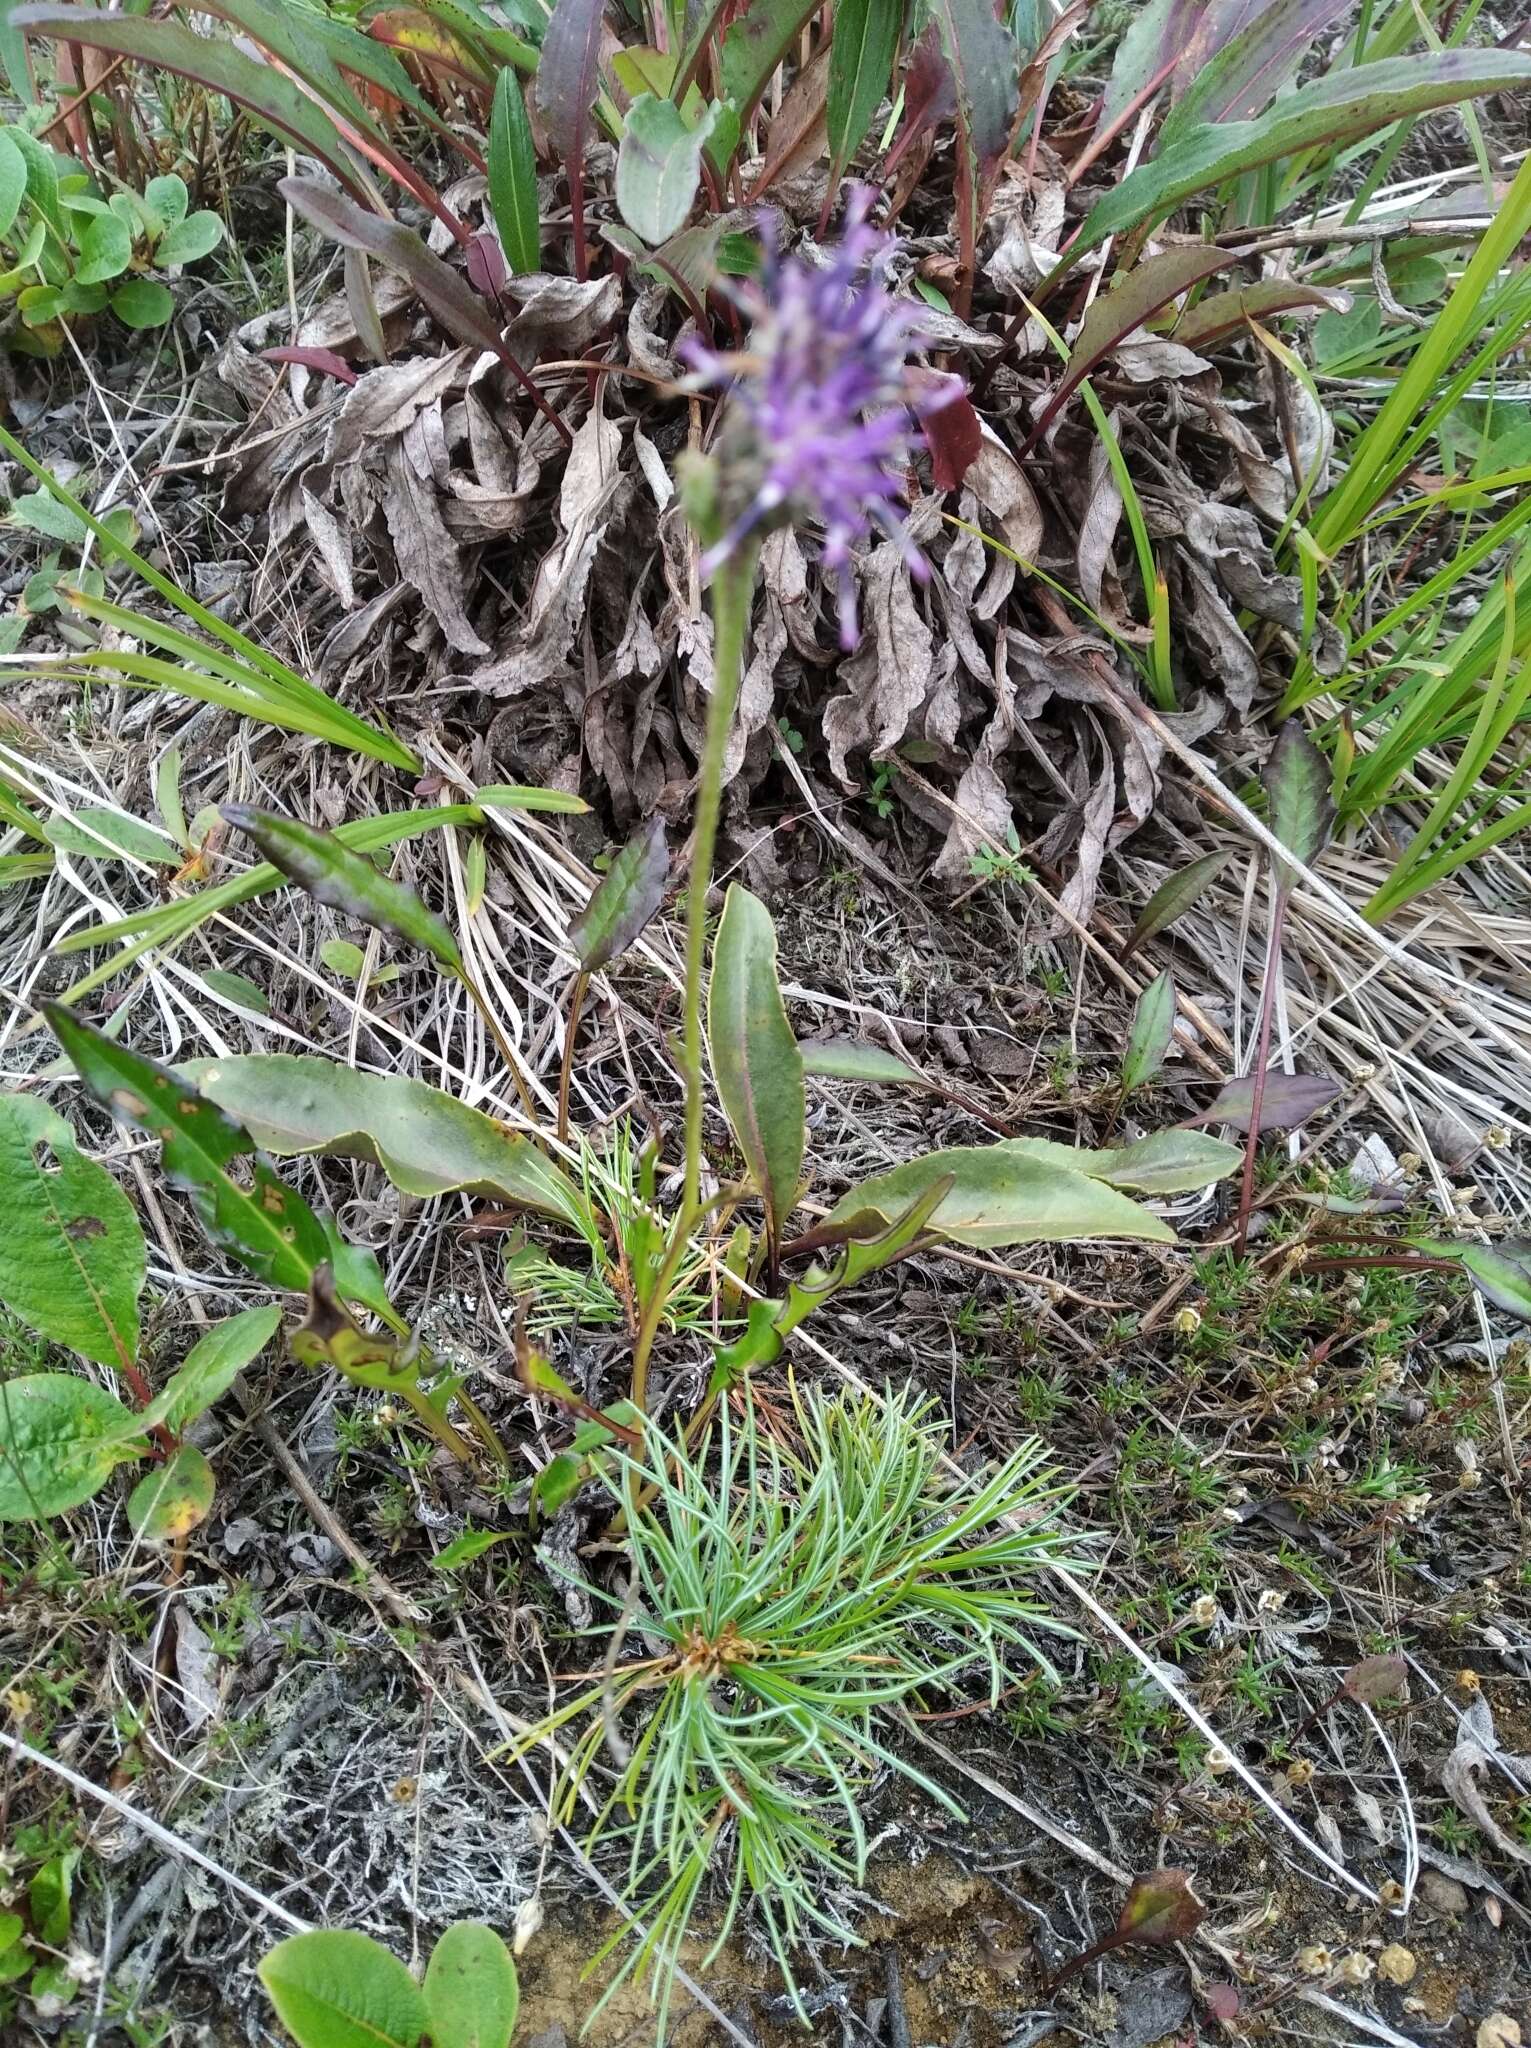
(1499, 2031)
(1315, 1961)
(1413, 1505)
(528, 1924)
(1469, 1680)
(1202, 1611)
(1271, 1601)
(1391, 1893)
(1356, 1968)
(1219, 1762)
(1496, 1137)
(1300, 1772)
(1187, 1322)
(1396, 1964)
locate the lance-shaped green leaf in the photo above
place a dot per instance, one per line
(1003, 1195)
(624, 901)
(331, 873)
(860, 72)
(1500, 1272)
(1151, 1033)
(60, 1439)
(755, 43)
(1174, 896)
(266, 1226)
(1335, 109)
(173, 1499)
(659, 166)
(471, 1993)
(274, 100)
(71, 1250)
(854, 1059)
(336, 1988)
(755, 1058)
(1173, 1162)
(1298, 782)
(210, 1368)
(427, 1142)
(513, 177)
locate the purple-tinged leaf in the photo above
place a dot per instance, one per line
(1155, 36)
(1288, 1100)
(1174, 897)
(1221, 313)
(449, 298)
(954, 435)
(624, 901)
(985, 65)
(485, 265)
(324, 360)
(568, 76)
(1241, 55)
(260, 88)
(1298, 784)
(1375, 1678)
(1117, 313)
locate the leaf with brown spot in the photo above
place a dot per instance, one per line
(71, 1250)
(267, 1226)
(331, 873)
(173, 1499)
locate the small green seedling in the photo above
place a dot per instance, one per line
(69, 253)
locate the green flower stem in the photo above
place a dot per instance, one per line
(732, 590)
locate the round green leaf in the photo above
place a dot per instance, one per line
(471, 1992)
(106, 250)
(173, 1499)
(143, 303)
(167, 198)
(59, 1439)
(188, 241)
(335, 1988)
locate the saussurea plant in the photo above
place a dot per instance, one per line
(856, 1527)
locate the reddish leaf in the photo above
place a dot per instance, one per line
(954, 435)
(1288, 1100)
(1221, 313)
(930, 95)
(568, 76)
(485, 265)
(1115, 314)
(1160, 1907)
(324, 360)
(1375, 1678)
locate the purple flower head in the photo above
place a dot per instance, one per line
(824, 399)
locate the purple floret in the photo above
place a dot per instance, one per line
(828, 398)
